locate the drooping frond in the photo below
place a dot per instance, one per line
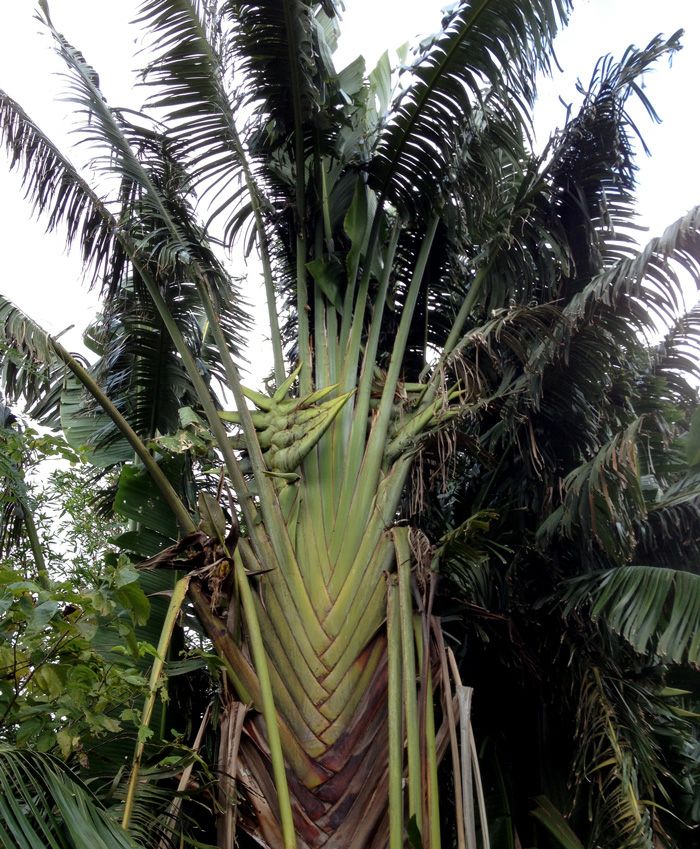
(669, 534)
(602, 496)
(30, 371)
(486, 52)
(44, 804)
(288, 78)
(13, 486)
(189, 75)
(540, 228)
(57, 191)
(591, 168)
(158, 223)
(656, 610)
(608, 762)
(553, 224)
(138, 367)
(649, 284)
(466, 555)
(677, 356)
(110, 241)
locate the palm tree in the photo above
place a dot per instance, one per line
(429, 283)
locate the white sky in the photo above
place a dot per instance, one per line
(39, 277)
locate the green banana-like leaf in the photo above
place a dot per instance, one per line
(86, 431)
(139, 500)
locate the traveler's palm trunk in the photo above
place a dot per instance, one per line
(330, 579)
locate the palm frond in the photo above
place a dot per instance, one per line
(656, 610)
(467, 556)
(61, 194)
(607, 762)
(43, 804)
(669, 535)
(57, 191)
(529, 225)
(13, 486)
(30, 370)
(602, 496)
(289, 80)
(156, 219)
(486, 52)
(648, 285)
(591, 168)
(138, 366)
(549, 226)
(677, 356)
(189, 75)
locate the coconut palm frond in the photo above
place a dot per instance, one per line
(192, 90)
(156, 221)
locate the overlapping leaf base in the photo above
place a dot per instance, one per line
(328, 664)
(343, 803)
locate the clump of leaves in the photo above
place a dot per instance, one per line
(69, 658)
